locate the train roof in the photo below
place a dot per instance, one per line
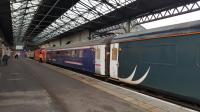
(182, 28)
(101, 41)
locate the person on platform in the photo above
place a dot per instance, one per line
(8, 52)
(16, 56)
(5, 56)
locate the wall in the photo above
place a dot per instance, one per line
(78, 37)
(81, 36)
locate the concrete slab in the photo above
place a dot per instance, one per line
(20, 92)
(77, 96)
(29, 85)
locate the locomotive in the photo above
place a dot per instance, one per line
(165, 59)
(38, 52)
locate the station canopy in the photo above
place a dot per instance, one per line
(22, 14)
(83, 11)
(40, 20)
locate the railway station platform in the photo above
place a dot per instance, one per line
(29, 86)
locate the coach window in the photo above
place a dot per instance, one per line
(98, 53)
(62, 53)
(114, 54)
(66, 53)
(70, 53)
(81, 53)
(76, 53)
(73, 53)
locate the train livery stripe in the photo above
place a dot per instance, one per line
(97, 64)
(75, 48)
(165, 36)
(73, 62)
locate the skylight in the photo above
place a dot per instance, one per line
(22, 12)
(82, 12)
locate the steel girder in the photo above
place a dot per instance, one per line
(152, 16)
(82, 12)
(22, 12)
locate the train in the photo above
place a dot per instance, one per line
(37, 52)
(165, 59)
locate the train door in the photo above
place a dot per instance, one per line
(100, 59)
(107, 59)
(114, 60)
(43, 51)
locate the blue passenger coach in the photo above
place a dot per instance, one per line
(80, 56)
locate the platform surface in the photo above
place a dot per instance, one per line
(141, 101)
(29, 86)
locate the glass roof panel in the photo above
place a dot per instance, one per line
(59, 22)
(120, 3)
(22, 12)
(82, 12)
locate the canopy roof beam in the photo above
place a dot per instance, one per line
(153, 16)
(45, 15)
(162, 14)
